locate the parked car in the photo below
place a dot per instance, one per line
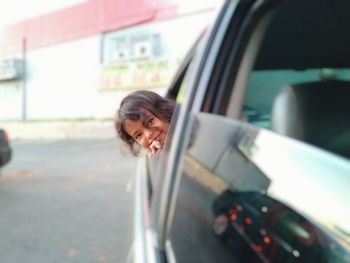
(261, 135)
(5, 148)
(259, 228)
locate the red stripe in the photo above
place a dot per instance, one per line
(86, 19)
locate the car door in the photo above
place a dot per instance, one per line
(255, 196)
(240, 191)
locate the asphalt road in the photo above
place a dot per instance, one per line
(66, 201)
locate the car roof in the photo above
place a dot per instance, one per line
(307, 34)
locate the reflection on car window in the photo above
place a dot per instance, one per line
(272, 230)
(242, 207)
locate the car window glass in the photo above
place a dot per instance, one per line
(307, 105)
(297, 87)
(264, 86)
(158, 163)
(234, 203)
(178, 91)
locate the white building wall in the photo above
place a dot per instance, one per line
(62, 80)
(10, 100)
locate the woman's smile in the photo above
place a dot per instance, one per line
(150, 132)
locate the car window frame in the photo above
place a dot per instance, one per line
(204, 65)
(196, 80)
(243, 53)
(199, 85)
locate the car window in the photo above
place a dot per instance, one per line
(176, 92)
(295, 89)
(157, 166)
(233, 206)
(264, 86)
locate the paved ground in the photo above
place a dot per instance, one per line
(60, 129)
(66, 200)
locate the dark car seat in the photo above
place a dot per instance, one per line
(317, 113)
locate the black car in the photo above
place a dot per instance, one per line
(256, 163)
(259, 228)
(5, 148)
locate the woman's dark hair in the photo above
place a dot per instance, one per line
(133, 108)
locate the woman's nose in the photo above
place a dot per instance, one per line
(148, 135)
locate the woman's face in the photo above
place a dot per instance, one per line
(149, 132)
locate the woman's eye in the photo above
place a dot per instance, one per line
(138, 136)
(149, 123)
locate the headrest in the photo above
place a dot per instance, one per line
(316, 112)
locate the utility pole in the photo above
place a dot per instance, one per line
(24, 80)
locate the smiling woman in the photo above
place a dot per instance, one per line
(143, 120)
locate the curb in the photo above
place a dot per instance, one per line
(59, 130)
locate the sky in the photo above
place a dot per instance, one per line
(12, 11)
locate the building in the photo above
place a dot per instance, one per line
(80, 61)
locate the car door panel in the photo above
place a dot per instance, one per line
(238, 210)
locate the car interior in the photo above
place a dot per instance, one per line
(301, 76)
(316, 113)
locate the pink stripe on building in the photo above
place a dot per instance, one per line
(83, 20)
